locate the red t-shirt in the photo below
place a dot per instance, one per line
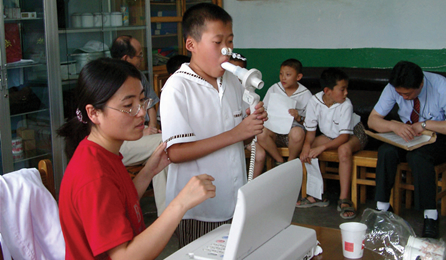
(98, 203)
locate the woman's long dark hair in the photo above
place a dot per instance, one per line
(97, 83)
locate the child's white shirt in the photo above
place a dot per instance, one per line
(302, 95)
(333, 121)
(192, 109)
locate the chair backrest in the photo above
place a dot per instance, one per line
(46, 173)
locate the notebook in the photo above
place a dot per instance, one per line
(260, 227)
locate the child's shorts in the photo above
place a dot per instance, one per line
(359, 132)
(282, 140)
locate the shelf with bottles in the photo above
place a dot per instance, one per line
(31, 136)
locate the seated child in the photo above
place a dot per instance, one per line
(332, 111)
(290, 74)
(239, 60)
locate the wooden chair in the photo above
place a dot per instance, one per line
(270, 162)
(440, 172)
(363, 160)
(45, 168)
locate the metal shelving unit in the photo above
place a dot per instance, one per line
(29, 87)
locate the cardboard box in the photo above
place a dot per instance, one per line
(26, 133)
(29, 144)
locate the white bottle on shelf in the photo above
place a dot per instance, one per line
(125, 13)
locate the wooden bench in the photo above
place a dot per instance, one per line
(362, 160)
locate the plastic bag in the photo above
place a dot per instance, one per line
(387, 234)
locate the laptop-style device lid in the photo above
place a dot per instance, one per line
(265, 206)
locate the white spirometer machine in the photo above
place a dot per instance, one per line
(251, 80)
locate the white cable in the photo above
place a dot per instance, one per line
(252, 159)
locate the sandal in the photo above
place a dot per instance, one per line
(305, 203)
(347, 209)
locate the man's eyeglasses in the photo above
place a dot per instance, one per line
(135, 109)
(140, 56)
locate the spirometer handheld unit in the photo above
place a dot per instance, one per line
(251, 80)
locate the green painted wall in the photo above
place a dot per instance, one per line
(268, 60)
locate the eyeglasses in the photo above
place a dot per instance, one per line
(135, 109)
(140, 56)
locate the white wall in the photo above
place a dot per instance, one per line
(399, 24)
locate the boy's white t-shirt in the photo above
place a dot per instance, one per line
(192, 109)
(333, 121)
(302, 95)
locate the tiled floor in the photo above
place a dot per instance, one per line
(327, 217)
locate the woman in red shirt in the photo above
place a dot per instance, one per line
(99, 203)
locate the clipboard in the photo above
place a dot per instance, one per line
(427, 137)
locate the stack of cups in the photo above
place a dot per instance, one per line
(353, 235)
(17, 148)
(423, 248)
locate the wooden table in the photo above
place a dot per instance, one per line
(331, 243)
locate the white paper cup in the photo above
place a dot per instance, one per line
(411, 253)
(426, 245)
(353, 234)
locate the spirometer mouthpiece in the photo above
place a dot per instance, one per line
(226, 51)
(249, 78)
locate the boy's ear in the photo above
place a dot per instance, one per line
(92, 113)
(190, 44)
(326, 90)
(299, 76)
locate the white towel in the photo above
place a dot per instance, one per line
(29, 222)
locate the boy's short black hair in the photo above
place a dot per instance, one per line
(331, 76)
(174, 63)
(195, 18)
(406, 75)
(293, 63)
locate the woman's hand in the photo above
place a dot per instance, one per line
(158, 160)
(198, 189)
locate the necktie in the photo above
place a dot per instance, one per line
(416, 110)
